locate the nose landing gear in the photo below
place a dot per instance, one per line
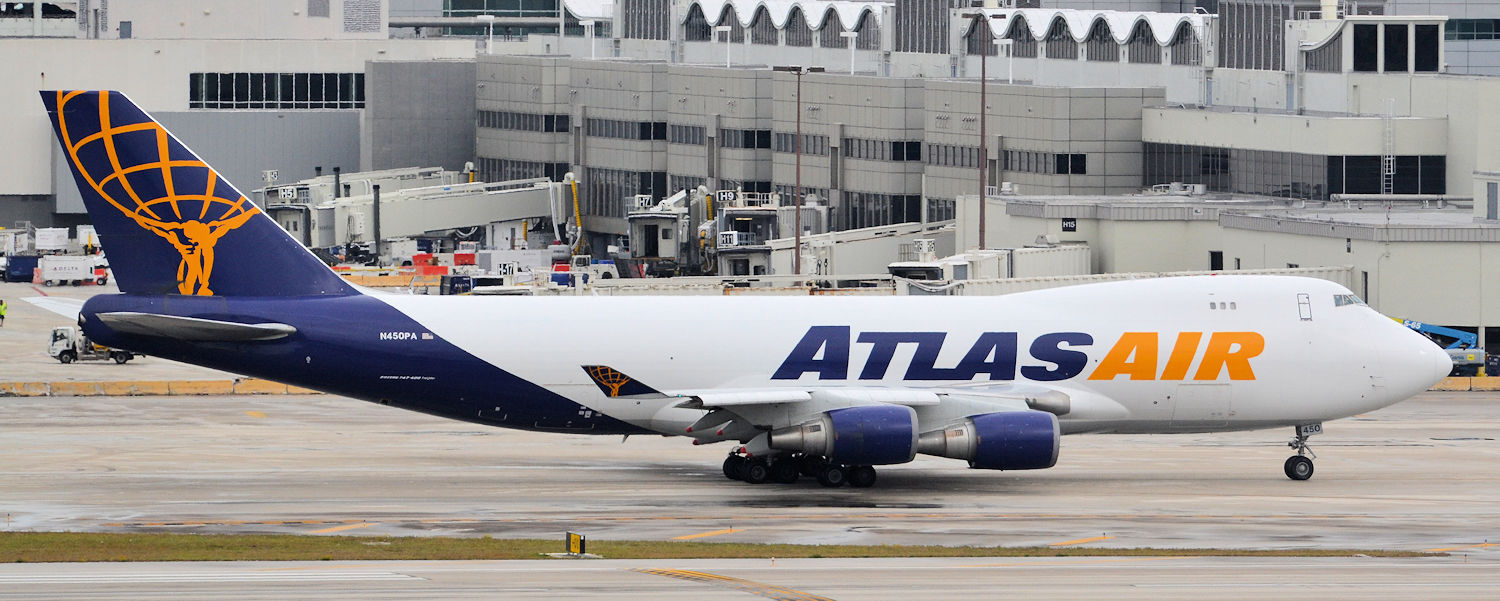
(1300, 466)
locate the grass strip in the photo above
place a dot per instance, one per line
(33, 547)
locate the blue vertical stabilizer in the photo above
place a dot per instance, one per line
(169, 221)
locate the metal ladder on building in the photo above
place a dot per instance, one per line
(1388, 153)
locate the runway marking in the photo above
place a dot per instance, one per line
(255, 414)
(214, 576)
(706, 534)
(1080, 541)
(1074, 562)
(1478, 546)
(739, 584)
(343, 528)
(709, 519)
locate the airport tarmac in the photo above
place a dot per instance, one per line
(28, 331)
(1158, 578)
(1418, 475)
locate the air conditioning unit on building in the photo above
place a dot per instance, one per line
(925, 249)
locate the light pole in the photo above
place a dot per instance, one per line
(489, 25)
(982, 27)
(1010, 59)
(725, 29)
(589, 25)
(851, 39)
(797, 148)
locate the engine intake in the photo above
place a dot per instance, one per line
(871, 435)
(1009, 440)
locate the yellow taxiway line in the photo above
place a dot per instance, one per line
(706, 534)
(343, 528)
(739, 584)
(1080, 541)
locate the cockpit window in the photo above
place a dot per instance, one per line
(1340, 300)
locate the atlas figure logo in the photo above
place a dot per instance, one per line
(825, 351)
(179, 199)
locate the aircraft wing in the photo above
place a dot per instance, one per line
(66, 307)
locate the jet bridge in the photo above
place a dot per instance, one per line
(414, 212)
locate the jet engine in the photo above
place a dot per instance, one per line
(869, 435)
(1009, 440)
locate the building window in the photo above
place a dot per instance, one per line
(812, 145)
(610, 191)
(1395, 48)
(276, 90)
(686, 134)
(523, 121)
(1366, 44)
(1426, 48)
(1060, 42)
(1075, 164)
(949, 155)
(1470, 29)
(745, 138)
(1100, 45)
(873, 209)
(1142, 48)
(500, 170)
(625, 130)
(1288, 174)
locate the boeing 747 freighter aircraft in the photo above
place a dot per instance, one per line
(819, 386)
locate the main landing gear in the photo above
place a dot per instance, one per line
(1300, 466)
(788, 468)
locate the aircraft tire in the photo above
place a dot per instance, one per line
(810, 464)
(862, 476)
(786, 471)
(833, 476)
(732, 467)
(1298, 467)
(756, 472)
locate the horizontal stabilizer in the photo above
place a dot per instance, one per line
(66, 307)
(192, 328)
(614, 384)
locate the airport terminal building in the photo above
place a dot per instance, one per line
(1296, 102)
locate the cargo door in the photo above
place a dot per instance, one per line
(1204, 405)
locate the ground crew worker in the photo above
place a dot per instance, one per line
(2, 313)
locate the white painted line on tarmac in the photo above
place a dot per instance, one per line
(164, 577)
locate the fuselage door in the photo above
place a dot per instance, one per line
(1304, 306)
(1201, 405)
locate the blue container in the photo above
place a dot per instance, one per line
(20, 268)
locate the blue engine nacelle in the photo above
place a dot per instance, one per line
(872, 435)
(1009, 440)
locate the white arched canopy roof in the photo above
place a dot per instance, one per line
(814, 11)
(1080, 22)
(591, 9)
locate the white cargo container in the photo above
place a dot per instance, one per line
(52, 238)
(64, 269)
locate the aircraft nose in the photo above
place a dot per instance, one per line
(1442, 364)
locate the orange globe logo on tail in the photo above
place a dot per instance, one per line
(179, 199)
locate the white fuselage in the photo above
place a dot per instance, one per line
(1163, 355)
